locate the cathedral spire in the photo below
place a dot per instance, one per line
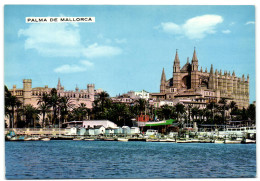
(176, 59)
(176, 64)
(211, 69)
(194, 58)
(59, 85)
(233, 74)
(194, 61)
(163, 77)
(163, 82)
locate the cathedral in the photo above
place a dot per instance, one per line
(190, 82)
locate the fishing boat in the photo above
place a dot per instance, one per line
(122, 139)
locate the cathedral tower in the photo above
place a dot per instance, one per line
(194, 71)
(176, 72)
(163, 82)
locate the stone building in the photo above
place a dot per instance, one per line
(190, 82)
(29, 95)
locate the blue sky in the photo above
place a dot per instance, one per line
(127, 47)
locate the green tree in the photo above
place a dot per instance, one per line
(180, 109)
(251, 112)
(64, 106)
(195, 113)
(54, 102)
(44, 107)
(31, 114)
(80, 112)
(12, 103)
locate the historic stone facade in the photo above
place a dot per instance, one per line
(29, 95)
(190, 82)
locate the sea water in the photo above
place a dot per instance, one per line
(110, 159)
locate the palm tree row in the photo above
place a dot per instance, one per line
(57, 110)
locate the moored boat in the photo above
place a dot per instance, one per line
(122, 139)
(45, 139)
(89, 139)
(152, 140)
(218, 141)
(249, 141)
(27, 139)
(167, 140)
(183, 141)
(228, 141)
(78, 139)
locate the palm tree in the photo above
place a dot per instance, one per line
(251, 112)
(194, 112)
(54, 102)
(166, 111)
(232, 106)
(44, 108)
(64, 105)
(31, 114)
(14, 103)
(80, 112)
(224, 106)
(103, 96)
(180, 109)
(141, 105)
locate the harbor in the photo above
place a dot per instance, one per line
(244, 135)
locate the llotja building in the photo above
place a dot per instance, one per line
(28, 95)
(190, 82)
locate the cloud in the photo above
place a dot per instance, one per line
(81, 67)
(96, 50)
(194, 28)
(56, 40)
(63, 40)
(120, 41)
(250, 22)
(226, 31)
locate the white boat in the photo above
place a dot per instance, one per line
(78, 139)
(45, 139)
(167, 140)
(249, 141)
(35, 138)
(89, 139)
(219, 141)
(14, 138)
(27, 139)
(183, 141)
(122, 139)
(152, 140)
(232, 141)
